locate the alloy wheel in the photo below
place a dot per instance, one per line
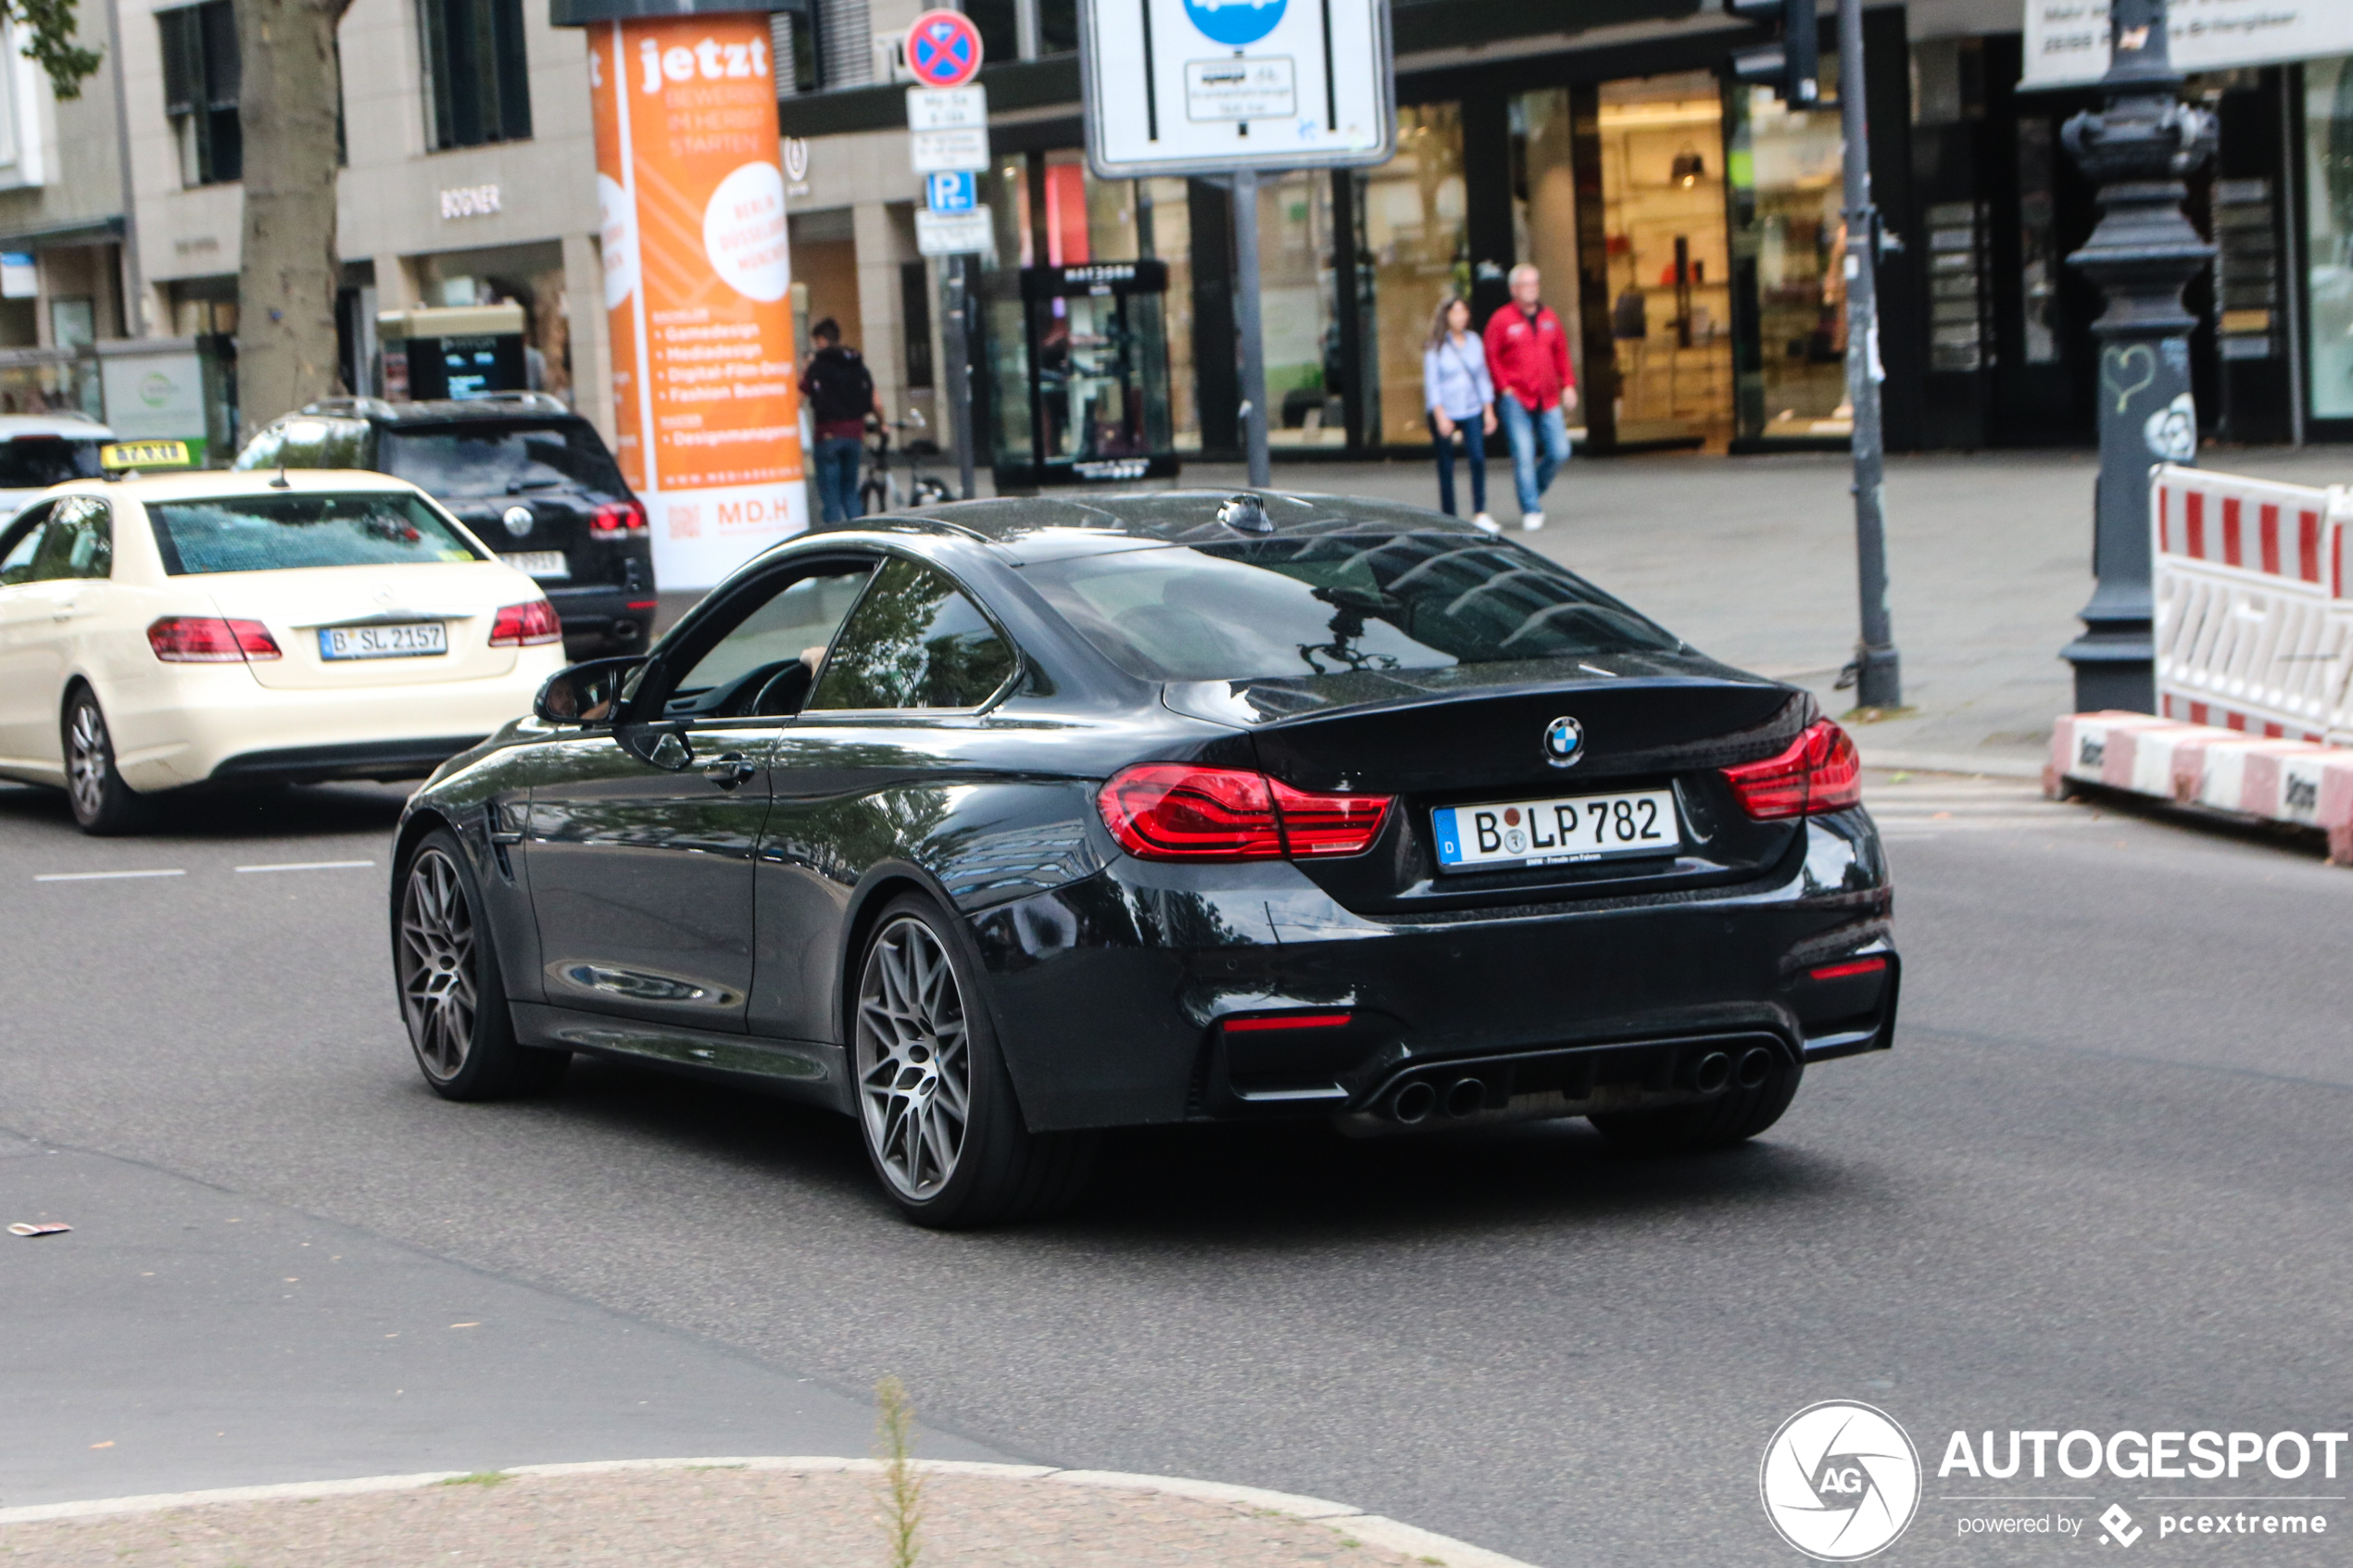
(89, 759)
(437, 963)
(914, 1059)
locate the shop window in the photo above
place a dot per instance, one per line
(200, 74)
(477, 80)
(1789, 235)
(1057, 26)
(2328, 184)
(1416, 245)
(1306, 372)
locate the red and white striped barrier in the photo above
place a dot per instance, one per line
(2253, 625)
(2282, 781)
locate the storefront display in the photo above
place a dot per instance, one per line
(2328, 243)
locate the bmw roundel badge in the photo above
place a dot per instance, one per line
(1563, 742)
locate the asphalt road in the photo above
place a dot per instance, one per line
(2100, 1184)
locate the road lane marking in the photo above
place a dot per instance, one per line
(308, 866)
(101, 876)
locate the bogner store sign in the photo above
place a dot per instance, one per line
(2066, 40)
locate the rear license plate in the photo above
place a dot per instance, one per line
(415, 639)
(539, 563)
(1558, 832)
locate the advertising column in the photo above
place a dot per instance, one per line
(697, 276)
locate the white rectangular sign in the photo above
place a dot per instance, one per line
(2067, 41)
(948, 108)
(944, 152)
(955, 233)
(1211, 86)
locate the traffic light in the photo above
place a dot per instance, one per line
(1791, 65)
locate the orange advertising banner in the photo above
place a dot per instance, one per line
(698, 279)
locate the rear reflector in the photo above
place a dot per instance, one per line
(617, 520)
(644, 604)
(1251, 1026)
(1848, 971)
(1178, 812)
(525, 624)
(208, 639)
(1820, 771)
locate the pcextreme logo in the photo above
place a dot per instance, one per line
(1841, 1481)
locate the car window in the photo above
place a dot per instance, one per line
(1370, 599)
(485, 459)
(35, 463)
(308, 442)
(913, 642)
(78, 540)
(789, 631)
(278, 532)
(20, 545)
(261, 452)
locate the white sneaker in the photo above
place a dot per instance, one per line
(1531, 520)
(1487, 523)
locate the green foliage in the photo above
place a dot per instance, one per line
(902, 1486)
(479, 1478)
(49, 26)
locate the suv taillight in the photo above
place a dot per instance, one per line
(524, 625)
(1177, 811)
(1820, 771)
(618, 520)
(208, 639)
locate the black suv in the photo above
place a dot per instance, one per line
(532, 479)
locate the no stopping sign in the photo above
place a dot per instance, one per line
(943, 49)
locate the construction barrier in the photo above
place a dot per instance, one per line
(2252, 623)
(2281, 781)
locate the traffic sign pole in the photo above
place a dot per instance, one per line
(947, 143)
(1247, 318)
(957, 344)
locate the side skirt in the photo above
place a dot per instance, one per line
(812, 1071)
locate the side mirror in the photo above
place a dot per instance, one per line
(587, 694)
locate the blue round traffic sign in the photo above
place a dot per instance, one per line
(1235, 22)
(943, 49)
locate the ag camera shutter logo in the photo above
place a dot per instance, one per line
(1840, 1481)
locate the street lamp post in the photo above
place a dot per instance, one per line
(2138, 147)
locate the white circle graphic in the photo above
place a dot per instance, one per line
(743, 231)
(617, 233)
(1841, 1481)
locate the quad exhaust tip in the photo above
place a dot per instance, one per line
(1756, 1065)
(1465, 1096)
(1711, 1073)
(1413, 1103)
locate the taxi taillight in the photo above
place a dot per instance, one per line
(211, 639)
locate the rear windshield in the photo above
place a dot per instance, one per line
(281, 533)
(502, 459)
(1335, 603)
(34, 462)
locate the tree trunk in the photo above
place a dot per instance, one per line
(286, 283)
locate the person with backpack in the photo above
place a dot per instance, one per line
(1528, 352)
(841, 396)
(1458, 395)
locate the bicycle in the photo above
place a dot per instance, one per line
(878, 494)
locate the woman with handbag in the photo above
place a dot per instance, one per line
(1459, 397)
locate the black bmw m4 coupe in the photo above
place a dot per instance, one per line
(1001, 824)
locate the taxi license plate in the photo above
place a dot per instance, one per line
(1558, 832)
(539, 563)
(415, 639)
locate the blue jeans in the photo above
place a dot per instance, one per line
(1473, 430)
(838, 458)
(1532, 473)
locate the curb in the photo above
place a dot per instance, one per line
(1997, 767)
(1337, 1516)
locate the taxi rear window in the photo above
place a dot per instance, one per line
(288, 533)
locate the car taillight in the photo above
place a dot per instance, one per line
(1177, 811)
(616, 519)
(1820, 771)
(525, 624)
(208, 639)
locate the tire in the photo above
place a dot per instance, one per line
(935, 1105)
(103, 805)
(1730, 1118)
(451, 996)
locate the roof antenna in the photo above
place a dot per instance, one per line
(1246, 514)
(282, 481)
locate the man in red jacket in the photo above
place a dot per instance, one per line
(1528, 354)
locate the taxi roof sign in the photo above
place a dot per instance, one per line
(122, 455)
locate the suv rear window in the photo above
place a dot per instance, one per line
(282, 532)
(1334, 603)
(35, 463)
(483, 459)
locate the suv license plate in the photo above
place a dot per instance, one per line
(539, 563)
(1557, 832)
(415, 639)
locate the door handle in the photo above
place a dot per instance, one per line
(730, 770)
(64, 612)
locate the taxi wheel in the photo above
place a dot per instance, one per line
(1734, 1116)
(102, 803)
(451, 994)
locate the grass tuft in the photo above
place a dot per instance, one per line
(479, 1478)
(903, 1485)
